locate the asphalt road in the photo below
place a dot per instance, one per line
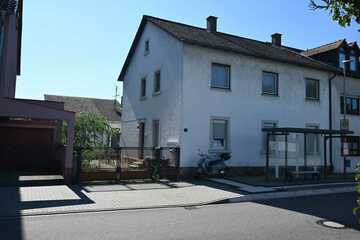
(293, 218)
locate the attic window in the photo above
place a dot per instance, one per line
(147, 47)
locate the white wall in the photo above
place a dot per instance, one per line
(186, 101)
(244, 104)
(165, 55)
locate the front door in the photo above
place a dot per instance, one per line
(141, 139)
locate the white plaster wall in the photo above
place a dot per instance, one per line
(244, 104)
(352, 89)
(166, 54)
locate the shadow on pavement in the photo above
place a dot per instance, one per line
(334, 207)
(11, 226)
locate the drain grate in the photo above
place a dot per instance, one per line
(331, 224)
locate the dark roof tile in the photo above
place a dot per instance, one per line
(226, 42)
(323, 48)
(104, 107)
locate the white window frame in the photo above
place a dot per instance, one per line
(143, 80)
(227, 147)
(317, 90)
(155, 91)
(276, 93)
(226, 86)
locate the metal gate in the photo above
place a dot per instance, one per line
(127, 163)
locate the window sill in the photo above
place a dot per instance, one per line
(156, 93)
(146, 53)
(219, 150)
(270, 94)
(351, 114)
(312, 99)
(220, 89)
(143, 98)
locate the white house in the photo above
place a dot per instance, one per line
(205, 90)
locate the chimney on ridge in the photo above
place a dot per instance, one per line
(211, 23)
(276, 39)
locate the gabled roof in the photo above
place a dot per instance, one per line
(108, 108)
(324, 48)
(225, 42)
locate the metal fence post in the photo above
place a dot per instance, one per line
(78, 155)
(177, 164)
(118, 164)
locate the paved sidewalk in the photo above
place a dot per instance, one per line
(292, 194)
(42, 200)
(16, 201)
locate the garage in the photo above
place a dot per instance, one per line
(29, 146)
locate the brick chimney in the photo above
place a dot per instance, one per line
(276, 39)
(211, 23)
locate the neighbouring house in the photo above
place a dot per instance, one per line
(110, 109)
(29, 129)
(209, 91)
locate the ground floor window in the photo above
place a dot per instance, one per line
(219, 139)
(353, 145)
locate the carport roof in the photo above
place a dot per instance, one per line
(307, 130)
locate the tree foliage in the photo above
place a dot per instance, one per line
(357, 208)
(342, 11)
(89, 130)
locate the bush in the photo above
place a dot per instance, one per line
(357, 208)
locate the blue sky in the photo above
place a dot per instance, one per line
(77, 47)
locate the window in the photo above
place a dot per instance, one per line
(272, 138)
(219, 134)
(157, 80)
(351, 105)
(143, 88)
(353, 145)
(353, 62)
(156, 133)
(270, 83)
(342, 58)
(312, 89)
(147, 47)
(312, 141)
(220, 76)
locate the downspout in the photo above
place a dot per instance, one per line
(330, 123)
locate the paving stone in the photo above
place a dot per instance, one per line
(61, 199)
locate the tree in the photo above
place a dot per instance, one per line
(342, 11)
(89, 129)
(356, 210)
